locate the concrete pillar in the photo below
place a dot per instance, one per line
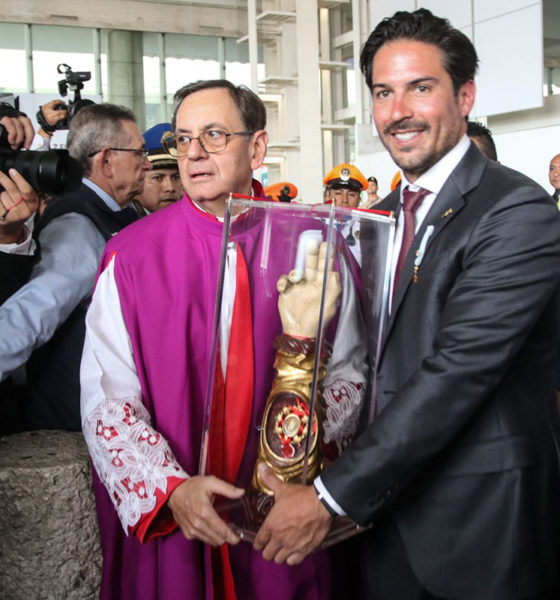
(125, 72)
(49, 538)
(309, 95)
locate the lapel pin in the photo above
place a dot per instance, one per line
(421, 250)
(447, 213)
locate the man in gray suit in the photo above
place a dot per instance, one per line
(458, 472)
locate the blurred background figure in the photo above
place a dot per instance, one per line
(554, 178)
(344, 183)
(372, 197)
(396, 180)
(283, 191)
(482, 138)
(343, 186)
(162, 185)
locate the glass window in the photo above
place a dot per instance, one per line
(13, 78)
(151, 78)
(180, 71)
(53, 45)
(46, 76)
(350, 79)
(188, 58)
(551, 80)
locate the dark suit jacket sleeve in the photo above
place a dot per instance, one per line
(500, 277)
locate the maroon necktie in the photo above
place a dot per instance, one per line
(411, 201)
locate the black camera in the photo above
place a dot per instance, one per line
(52, 172)
(73, 81)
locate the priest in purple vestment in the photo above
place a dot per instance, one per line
(144, 373)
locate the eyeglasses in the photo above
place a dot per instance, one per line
(140, 152)
(211, 141)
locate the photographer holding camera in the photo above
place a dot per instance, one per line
(18, 203)
(24, 176)
(56, 115)
(42, 324)
(51, 116)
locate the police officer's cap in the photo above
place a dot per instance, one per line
(283, 191)
(156, 154)
(346, 176)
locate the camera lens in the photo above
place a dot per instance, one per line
(53, 172)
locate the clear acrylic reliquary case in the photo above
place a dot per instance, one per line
(292, 371)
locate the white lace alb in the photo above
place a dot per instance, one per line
(343, 401)
(131, 458)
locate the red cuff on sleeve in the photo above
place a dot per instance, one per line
(160, 520)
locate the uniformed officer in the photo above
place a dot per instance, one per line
(344, 184)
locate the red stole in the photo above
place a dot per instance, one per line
(232, 403)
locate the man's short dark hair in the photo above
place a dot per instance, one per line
(460, 59)
(484, 136)
(250, 106)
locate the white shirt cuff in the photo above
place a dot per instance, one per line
(26, 247)
(39, 143)
(324, 495)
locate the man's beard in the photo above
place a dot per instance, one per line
(421, 161)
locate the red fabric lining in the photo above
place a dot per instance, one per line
(160, 521)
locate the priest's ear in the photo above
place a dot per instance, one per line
(258, 145)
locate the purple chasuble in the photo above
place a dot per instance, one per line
(166, 270)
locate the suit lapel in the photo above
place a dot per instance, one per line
(448, 203)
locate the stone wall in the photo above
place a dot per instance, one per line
(49, 538)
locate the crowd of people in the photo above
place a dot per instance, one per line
(107, 315)
(52, 258)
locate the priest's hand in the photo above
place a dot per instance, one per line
(300, 299)
(296, 524)
(191, 505)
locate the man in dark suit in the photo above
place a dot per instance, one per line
(458, 472)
